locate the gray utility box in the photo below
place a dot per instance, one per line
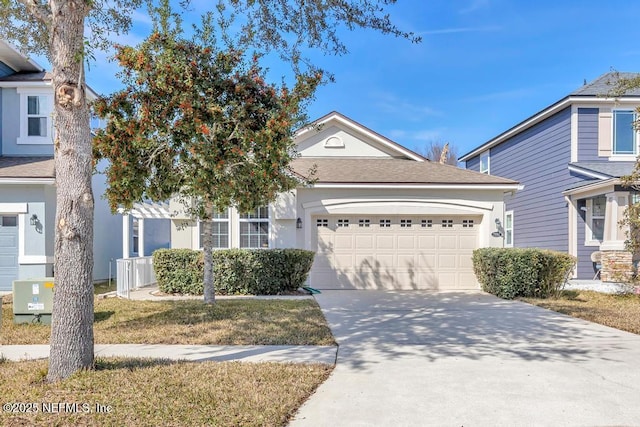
(33, 300)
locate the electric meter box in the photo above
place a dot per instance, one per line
(33, 300)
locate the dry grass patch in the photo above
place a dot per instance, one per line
(617, 311)
(229, 322)
(161, 393)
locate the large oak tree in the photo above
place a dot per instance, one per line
(65, 31)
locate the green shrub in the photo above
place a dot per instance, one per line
(179, 271)
(510, 272)
(236, 271)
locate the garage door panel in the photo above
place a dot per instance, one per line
(426, 260)
(364, 242)
(8, 242)
(427, 242)
(8, 261)
(343, 242)
(406, 242)
(447, 261)
(448, 242)
(396, 256)
(385, 242)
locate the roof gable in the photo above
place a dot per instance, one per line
(335, 135)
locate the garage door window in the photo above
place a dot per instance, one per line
(364, 223)
(254, 229)
(467, 223)
(343, 223)
(385, 223)
(322, 222)
(9, 221)
(405, 223)
(427, 223)
(447, 223)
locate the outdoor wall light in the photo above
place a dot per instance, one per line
(33, 220)
(298, 223)
(499, 230)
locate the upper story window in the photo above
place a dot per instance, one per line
(624, 132)
(484, 162)
(36, 124)
(254, 228)
(220, 230)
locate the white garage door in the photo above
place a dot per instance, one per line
(8, 251)
(394, 252)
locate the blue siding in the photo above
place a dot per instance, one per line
(474, 164)
(538, 158)
(587, 134)
(5, 70)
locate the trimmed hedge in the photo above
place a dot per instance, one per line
(236, 271)
(512, 272)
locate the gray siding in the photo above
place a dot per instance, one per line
(5, 70)
(11, 130)
(107, 229)
(587, 134)
(474, 163)
(538, 158)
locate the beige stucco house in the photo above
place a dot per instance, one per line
(378, 216)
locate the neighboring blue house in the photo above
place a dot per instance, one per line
(569, 157)
(27, 178)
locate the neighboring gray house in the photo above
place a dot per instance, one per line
(27, 178)
(569, 157)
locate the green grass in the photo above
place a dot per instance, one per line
(228, 322)
(617, 311)
(161, 393)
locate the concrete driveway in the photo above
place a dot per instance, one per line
(469, 359)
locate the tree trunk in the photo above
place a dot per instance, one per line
(72, 317)
(207, 250)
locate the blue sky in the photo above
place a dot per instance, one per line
(482, 67)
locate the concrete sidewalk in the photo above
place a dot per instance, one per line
(200, 353)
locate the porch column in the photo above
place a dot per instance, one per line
(140, 237)
(615, 259)
(126, 234)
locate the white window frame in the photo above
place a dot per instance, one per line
(589, 217)
(46, 105)
(218, 218)
(623, 156)
(485, 162)
(507, 229)
(135, 236)
(257, 219)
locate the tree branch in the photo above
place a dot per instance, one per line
(39, 11)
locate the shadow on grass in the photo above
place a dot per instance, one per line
(131, 364)
(100, 316)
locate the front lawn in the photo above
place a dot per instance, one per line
(146, 392)
(228, 322)
(617, 311)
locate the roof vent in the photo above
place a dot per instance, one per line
(333, 142)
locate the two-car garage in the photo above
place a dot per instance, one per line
(394, 251)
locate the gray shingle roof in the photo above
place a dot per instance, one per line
(27, 77)
(611, 169)
(27, 167)
(340, 170)
(605, 85)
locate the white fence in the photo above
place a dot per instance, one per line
(134, 273)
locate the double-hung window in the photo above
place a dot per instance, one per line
(624, 133)
(254, 228)
(508, 229)
(35, 117)
(595, 220)
(220, 230)
(484, 162)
